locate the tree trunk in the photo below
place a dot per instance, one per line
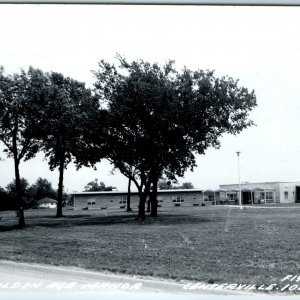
(153, 198)
(19, 196)
(149, 203)
(60, 187)
(18, 184)
(143, 198)
(128, 195)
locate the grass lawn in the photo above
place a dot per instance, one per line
(211, 244)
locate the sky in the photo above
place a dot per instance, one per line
(260, 46)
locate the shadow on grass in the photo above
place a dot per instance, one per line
(4, 228)
(87, 220)
(92, 220)
(53, 216)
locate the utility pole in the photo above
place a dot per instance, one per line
(240, 191)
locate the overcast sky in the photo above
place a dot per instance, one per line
(258, 45)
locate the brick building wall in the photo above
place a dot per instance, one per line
(115, 200)
(185, 199)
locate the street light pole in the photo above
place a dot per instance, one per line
(240, 191)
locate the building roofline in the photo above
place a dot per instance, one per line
(180, 190)
(266, 182)
(222, 188)
(135, 192)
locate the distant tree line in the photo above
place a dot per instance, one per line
(165, 184)
(42, 188)
(30, 193)
(97, 186)
(147, 120)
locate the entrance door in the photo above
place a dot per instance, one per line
(246, 198)
(297, 199)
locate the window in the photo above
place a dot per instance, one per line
(232, 196)
(123, 202)
(160, 199)
(286, 195)
(91, 202)
(269, 195)
(178, 199)
(209, 197)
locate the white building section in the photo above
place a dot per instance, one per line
(251, 194)
(47, 203)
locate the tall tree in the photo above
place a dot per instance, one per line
(160, 118)
(133, 117)
(69, 109)
(17, 120)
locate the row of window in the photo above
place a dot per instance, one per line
(261, 196)
(210, 197)
(286, 195)
(180, 199)
(159, 199)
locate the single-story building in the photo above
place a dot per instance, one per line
(117, 199)
(47, 203)
(252, 193)
(264, 192)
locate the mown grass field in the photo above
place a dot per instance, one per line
(207, 244)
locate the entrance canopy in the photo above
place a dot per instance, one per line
(249, 195)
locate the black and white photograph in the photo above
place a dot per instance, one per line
(149, 150)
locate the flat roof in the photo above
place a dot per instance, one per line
(268, 182)
(135, 192)
(223, 188)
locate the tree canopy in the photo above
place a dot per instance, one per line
(152, 122)
(69, 109)
(41, 188)
(96, 186)
(160, 117)
(30, 193)
(45, 112)
(18, 120)
(165, 184)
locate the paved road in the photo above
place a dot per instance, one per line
(32, 278)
